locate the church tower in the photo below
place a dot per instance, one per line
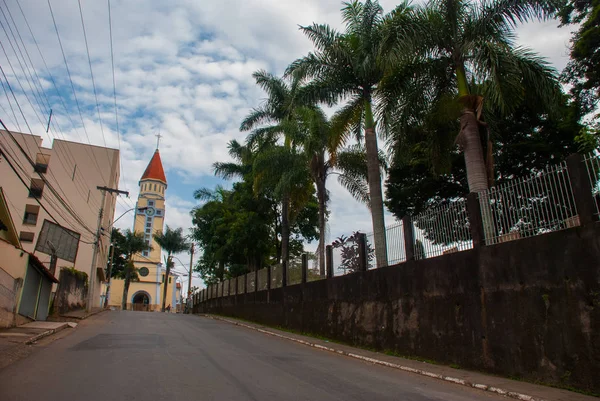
(151, 200)
(146, 292)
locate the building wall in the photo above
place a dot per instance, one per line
(74, 170)
(528, 308)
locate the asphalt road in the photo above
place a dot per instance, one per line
(153, 356)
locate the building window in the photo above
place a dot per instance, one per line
(148, 225)
(158, 212)
(169, 280)
(154, 187)
(31, 214)
(144, 253)
(148, 231)
(163, 278)
(36, 188)
(148, 219)
(26, 236)
(150, 203)
(41, 163)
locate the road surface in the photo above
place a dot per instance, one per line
(156, 356)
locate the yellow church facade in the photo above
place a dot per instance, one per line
(146, 293)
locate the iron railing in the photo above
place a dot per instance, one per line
(442, 229)
(527, 207)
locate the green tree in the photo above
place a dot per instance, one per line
(133, 243)
(275, 117)
(350, 66)
(525, 142)
(171, 241)
(582, 71)
(467, 64)
(119, 254)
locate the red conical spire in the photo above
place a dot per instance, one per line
(155, 171)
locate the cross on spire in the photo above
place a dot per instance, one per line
(158, 136)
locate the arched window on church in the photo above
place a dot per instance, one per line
(154, 189)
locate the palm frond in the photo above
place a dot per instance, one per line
(228, 171)
(359, 189)
(346, 122)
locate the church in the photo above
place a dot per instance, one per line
(145, 294)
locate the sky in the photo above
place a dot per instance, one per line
(182, 69)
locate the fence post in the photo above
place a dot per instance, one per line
(256, 279)
(284, 265)
(362, 252)
(582, 189)
(409, 238)
(304, 268)
(246, 283)
(475, 219)
(329, 260)
(268, 278)
(228, 287)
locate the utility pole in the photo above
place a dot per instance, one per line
(190, 281)
(109, 275)
(97, 241)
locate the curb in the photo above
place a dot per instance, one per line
(484, 387)
(85, 316)
(45, 334)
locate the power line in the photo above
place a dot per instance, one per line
(25, 94)
(72, 85)
(112, 63)
(38, 200)
(53, 81)
(27, 155)
(29, 83)
(87, 48)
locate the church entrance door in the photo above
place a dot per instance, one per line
(141, 301)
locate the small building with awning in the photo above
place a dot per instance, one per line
(25, 282)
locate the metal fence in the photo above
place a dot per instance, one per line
(527, 207)
(294, 273)
(442, 229)
(592, 165)
(396, 249)
(262, 279)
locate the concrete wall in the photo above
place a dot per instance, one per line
(527, 308)
(71, 293)
(74, 170)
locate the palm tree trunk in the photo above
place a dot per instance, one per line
(285, 229)
(321, 194)
(375, 193)
(164, 297)
(126, 285)
(470, 141)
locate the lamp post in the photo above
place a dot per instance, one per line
(112, 253)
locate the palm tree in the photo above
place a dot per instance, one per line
(349, 67)
(321, 145)
(467, 57)
(276, 117)
(171, 241)
(132, 244)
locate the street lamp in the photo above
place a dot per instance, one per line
(112, 252)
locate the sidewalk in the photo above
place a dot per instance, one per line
(15, 340)
(510, 388)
